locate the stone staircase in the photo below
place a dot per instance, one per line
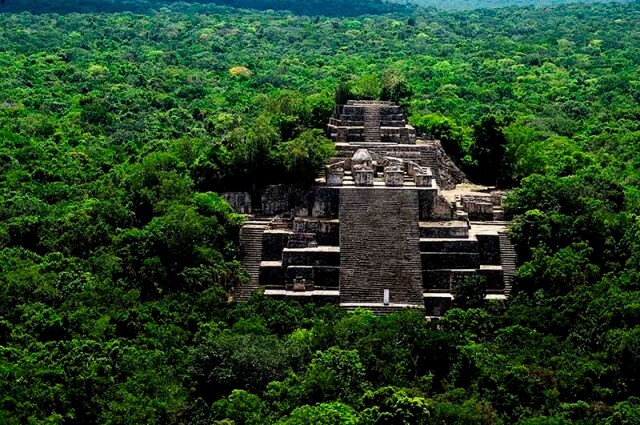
(430, 159)
(379, 247)
(372, 124)
(509, 260)
(251, 254)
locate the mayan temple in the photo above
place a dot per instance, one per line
(388, 225)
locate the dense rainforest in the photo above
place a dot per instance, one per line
(119, 127)
(342, 8)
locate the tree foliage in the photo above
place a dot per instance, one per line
(122, 122)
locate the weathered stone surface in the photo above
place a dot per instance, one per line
(363, 157)
(326, 277)
(325, 202)
(450, 260)
(449, 245)
(326, 230)
(321, 256)
(443, 209)
(363, 177)
(335, 177)
(302, 240)
(423, 180)
(437, 306)
(273, 242)
(271, 274)
(443, 280)
(370, 122)
(446, 229)
(294, 273)
(239, 201)
(379, 246)
(393, 177)
(478, 209)
(489, 247)
(276, 199)
(427, 200)
(494, 278)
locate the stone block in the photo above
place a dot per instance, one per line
(335, 178)
(443, 210)
(328, 232)
(239, 201)
(302, 240)
(449, 245)
(436, 280)
(294, 273)
(494, 278)
(447, 229)
(437, 306)
(321, 256)
(394, 178)
(423, 180)
(443, 280)
(477, 210)
(363, 177)
(272, 274)
(301, 201)
(326, 202)
(276, 199)
(489, 248)
(326, 277)
(427, 201)
(341, 134)
(450, 260)
(273, 242)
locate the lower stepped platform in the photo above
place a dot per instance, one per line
(448, 245)
(381, 309)
(454, 229)
(271, 273)
(317, 256)
(450, 260)
(322, 296)
(443, 280)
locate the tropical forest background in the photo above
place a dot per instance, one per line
(122, 121)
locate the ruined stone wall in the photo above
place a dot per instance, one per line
(239, 201)
(325, 202)
(379, 246)
(319, 202)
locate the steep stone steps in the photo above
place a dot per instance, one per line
(429, 158)
(372, 125)
(387, 258)
(509, 260)
(251, 254)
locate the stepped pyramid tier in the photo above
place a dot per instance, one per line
(361, 121)
(377, 231)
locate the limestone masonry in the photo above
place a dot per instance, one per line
(390, 224)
